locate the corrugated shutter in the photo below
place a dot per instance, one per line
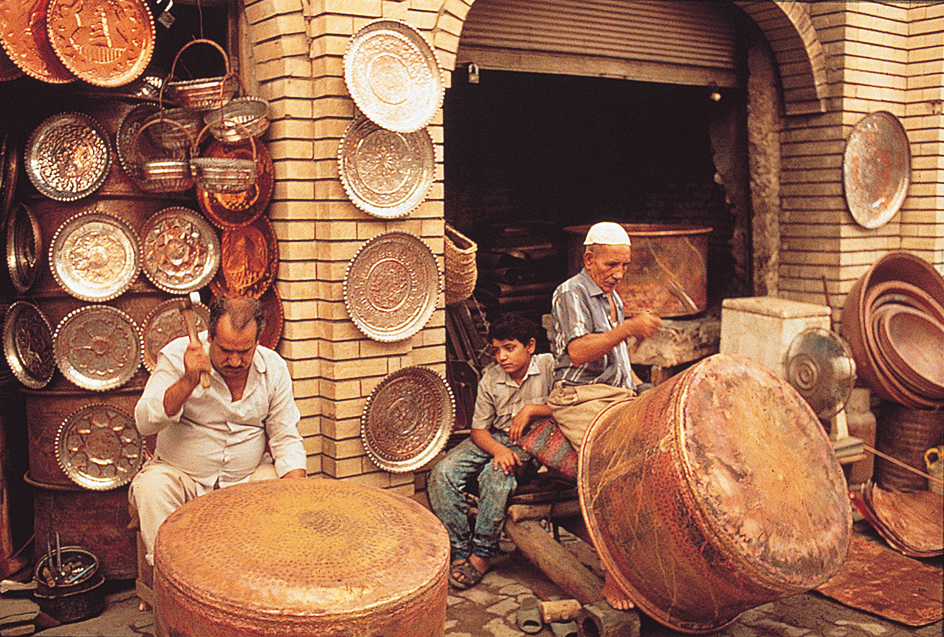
(672, 41)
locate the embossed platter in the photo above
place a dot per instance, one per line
(392, 73)
(11, 175)
(249, 260)
(8, 70)
(237, 209)
(25, 39)
(94, 256)
(180, 251)
(275, 315)
(165, 323)
(67, 156)
(24, 247)
(876, 169)
(407, 419)
(99, 447)
(27, 345)
(385, 173)
(391, 286)
(97, 347)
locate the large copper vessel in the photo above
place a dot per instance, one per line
(301, 557)
(713, 493)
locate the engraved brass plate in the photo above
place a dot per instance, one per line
(180, 251)
(99, 447)
(165, 323)
(27, 345)
(97, 347)
(238, 209)
(876, 169)
(104, 42)
(67, 156)
(407, 419)
(393, 75)
(24, 247)
(385, 173)
(94, 256)
(249, 262)
(25, 39)
(392, 286)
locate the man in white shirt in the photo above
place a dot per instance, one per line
(216, 436)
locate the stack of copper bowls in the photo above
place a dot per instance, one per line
(893, 320)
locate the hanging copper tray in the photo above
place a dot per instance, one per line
(165, 323)
(99, 447)
(272, 303)
(407, 419)
(11, 175)
(146, 150)
(8, 70)
(67, 156)
(393, 75)
(25, 39)
(24, 247)
(94, 256)
(180, 251)
(238, 209)
(876, 169)
(392, 286)
(97, 347)
(27, 345)
(385, 173)
(103, 42)
(249, 261)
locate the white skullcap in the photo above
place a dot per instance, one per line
(607, 233)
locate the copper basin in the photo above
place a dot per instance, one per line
(913, 343)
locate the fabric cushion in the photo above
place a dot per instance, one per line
(545, 442)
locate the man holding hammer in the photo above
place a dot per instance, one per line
(215, 434)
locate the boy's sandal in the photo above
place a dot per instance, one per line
(471, 575)
(564, 629)
(529, 615)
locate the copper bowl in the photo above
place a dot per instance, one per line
(913, 344)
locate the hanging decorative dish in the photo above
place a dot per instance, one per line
(103, 42)
(11, 176)
(249, 261)
(94, 256)
(132, 150)
(385, 173)
(180, 251)
(237, 209)
(275, 314)
(393, 75)
(25, 39)
(24, 247)
(97, 347)
(407, 419)
(8, 70)
(67, 156)
(99, 447)
(391, 286)
(876, 169)
(27, 345)
(165, 323)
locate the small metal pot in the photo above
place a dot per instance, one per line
(74, 594)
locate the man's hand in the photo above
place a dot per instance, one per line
(295, 473)
(506, 460)
(196, 360)
(644, 324)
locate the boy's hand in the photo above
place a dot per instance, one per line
(518, 424)
(506, 460)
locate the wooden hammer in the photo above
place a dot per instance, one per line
(186, 308)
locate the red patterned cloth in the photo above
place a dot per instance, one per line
(545, 442)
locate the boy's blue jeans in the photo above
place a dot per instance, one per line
(446, 489)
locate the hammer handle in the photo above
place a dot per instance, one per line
(194, 340)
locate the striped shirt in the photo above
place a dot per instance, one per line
(580, 307)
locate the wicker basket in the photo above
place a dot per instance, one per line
(461, 272)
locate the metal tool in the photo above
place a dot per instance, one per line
(187, 310)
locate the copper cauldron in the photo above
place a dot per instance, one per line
(713, 493)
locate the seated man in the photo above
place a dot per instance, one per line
(510, 394)
(216, 436)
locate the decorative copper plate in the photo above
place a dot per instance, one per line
(393, 75)
(67, 156)
(180, 251)
(104, 42)
(27, 345)
(24, 37)
(8, 70)
(99, 447)
(97, 347)
(407, 419)
(876, 169)
(238, 209)
(250, 260)
(132, 149)
(11, 175)
(391, 286)
(165, 323)
(272, 302)
(385, 173)
(24, 247)
(94, 256)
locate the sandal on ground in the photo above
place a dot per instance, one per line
(471, 575)
(529, 615)
(564, 629)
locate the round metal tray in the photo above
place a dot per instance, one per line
(97, 347)
(180, 251)
(407, 419)
(275, 315)
(94, 256)
(132, 149)
(28, 46)
(11, 176)
(249, 262)
(24, 247)
(67, 156)
(385, 173)
(99, 447)
(27, 345)
(876, 169)
(392, 73)
(237, 209)
(392, 286)
(165, 323)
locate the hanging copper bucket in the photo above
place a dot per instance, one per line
(713, 493)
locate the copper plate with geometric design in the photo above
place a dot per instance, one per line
(24, 247)
(27, 345)
(250, 260)
(25, 39)
(67, 156)
(237, 209)
(407, 419)
(180, 251)
(97, 347)
(99, 447)
(165, 323)
(392, 286)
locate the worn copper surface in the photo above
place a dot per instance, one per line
(820, 366)
(27, 344)
(25, 39)
(180, 251)
(715, 492)
(301, 557)
(164, 324)
(407, 419)
(876, 169)
(913, 343)
(911, 523)
(99, 447)
(97, 347)
(237, 209)
(24, 247)
(391, 286)
(68, 156)
(250, 260)
(905, 433)
(103, 42)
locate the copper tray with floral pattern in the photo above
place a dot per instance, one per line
(27, 344)
(180, 251)
(99, 447)
(165, 323)
(97, 347)
(237, 209)
(249, 260)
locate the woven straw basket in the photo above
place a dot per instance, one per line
(461, 272)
